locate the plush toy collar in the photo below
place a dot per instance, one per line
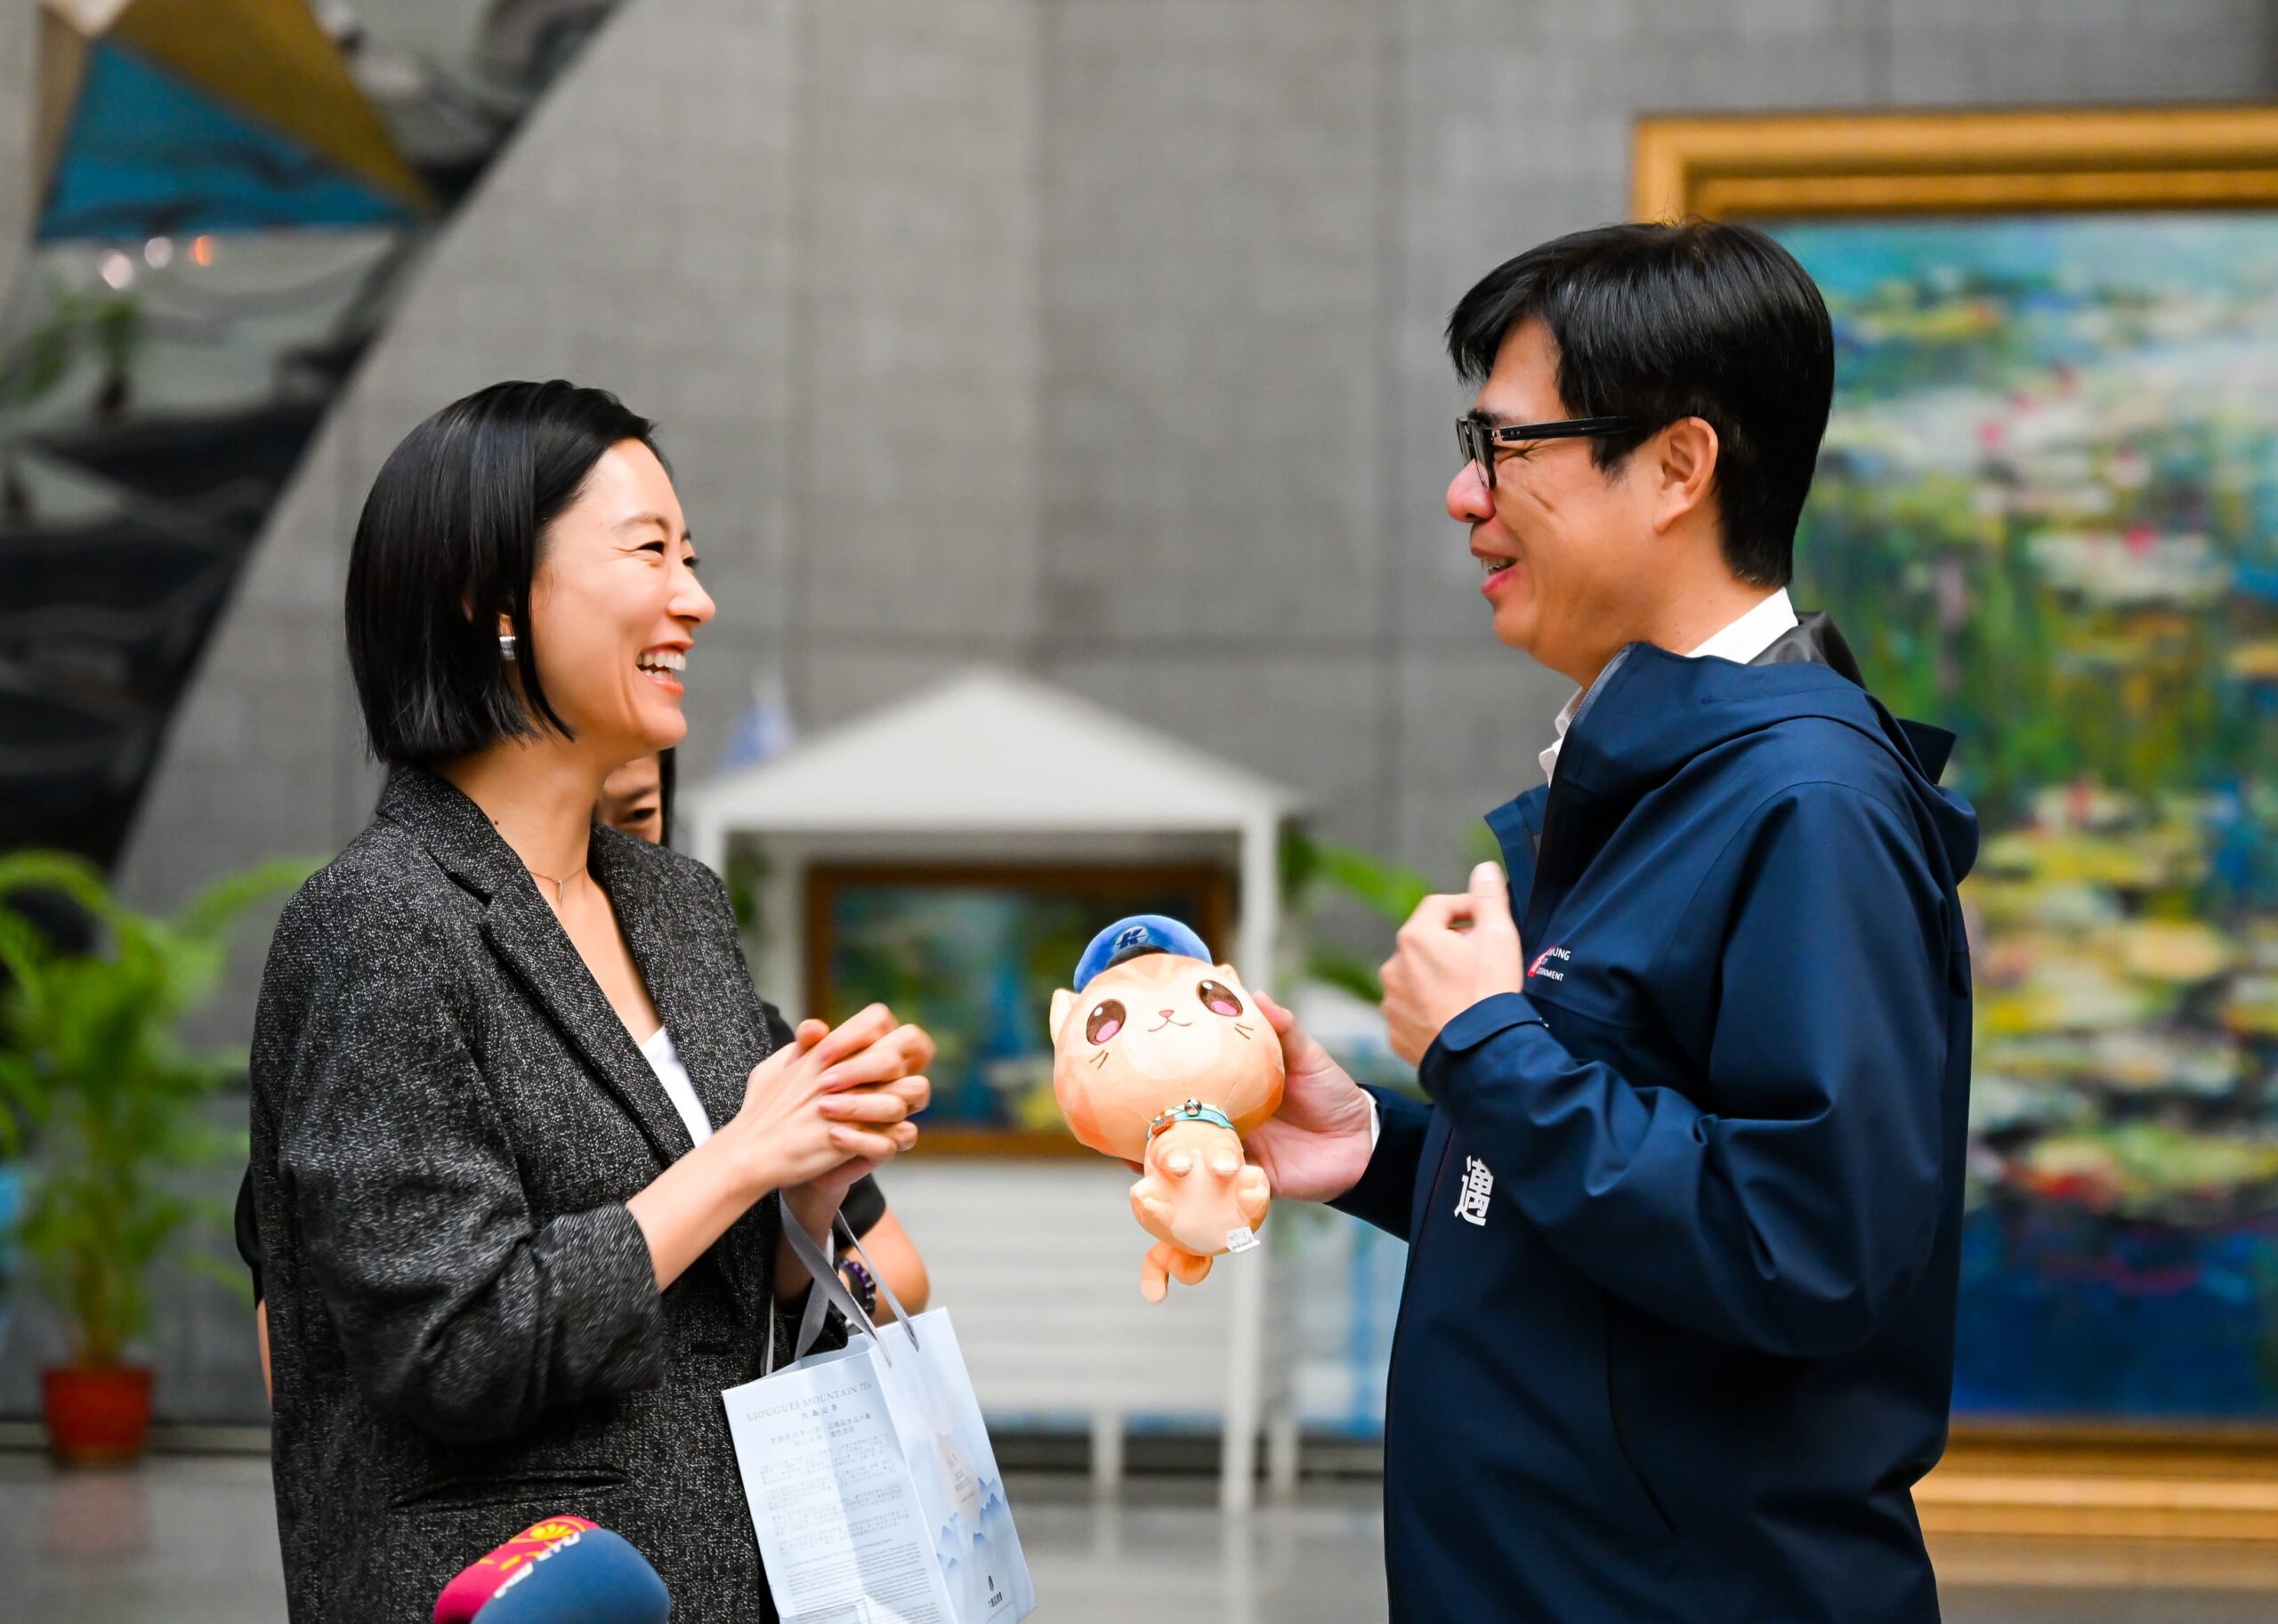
(1191, 1110)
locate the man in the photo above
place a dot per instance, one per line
(1683, 1209)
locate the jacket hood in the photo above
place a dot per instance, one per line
(1651, 712)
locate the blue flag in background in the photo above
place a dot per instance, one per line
(765, 729)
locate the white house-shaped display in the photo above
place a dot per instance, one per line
(1039, 1259)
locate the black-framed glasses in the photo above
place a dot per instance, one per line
(1478, 439)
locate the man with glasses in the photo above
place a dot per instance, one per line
(1684, 1198)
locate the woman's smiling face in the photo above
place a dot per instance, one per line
(615, 606)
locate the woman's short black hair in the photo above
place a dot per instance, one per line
(450, 539)
(1663, 322)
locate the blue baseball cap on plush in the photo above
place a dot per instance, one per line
(1129, 938)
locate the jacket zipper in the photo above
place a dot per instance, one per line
(1420, 1211)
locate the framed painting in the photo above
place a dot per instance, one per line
(974, 953)
(2046, 516)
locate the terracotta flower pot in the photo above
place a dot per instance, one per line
(97, 1417)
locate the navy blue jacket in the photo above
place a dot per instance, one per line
(1676, 1339)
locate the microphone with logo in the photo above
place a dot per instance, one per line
(561, 1570)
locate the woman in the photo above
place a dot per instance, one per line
(516, 1114)
(637, 799)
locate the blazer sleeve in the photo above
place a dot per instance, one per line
(864, 1206)
(1795, 1218)
(457, 1311)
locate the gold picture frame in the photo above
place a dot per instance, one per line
(1839, 164)
(1104, 891)
(2112, 1481)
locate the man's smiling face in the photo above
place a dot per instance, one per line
(1568, 548)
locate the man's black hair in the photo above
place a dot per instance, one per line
(450, 539)
(1663, 322)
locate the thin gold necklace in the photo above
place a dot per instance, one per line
(549, 878)
(557, 884)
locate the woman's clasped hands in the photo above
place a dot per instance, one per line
(835, 1105)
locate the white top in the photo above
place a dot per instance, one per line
(1739, 642)
(664, 1060)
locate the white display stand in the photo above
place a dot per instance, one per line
(1040, 1258)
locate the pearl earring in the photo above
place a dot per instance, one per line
(506, 645)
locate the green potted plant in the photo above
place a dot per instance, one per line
(95, 1079)
(1315, 873)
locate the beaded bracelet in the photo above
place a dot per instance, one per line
(859, 1282)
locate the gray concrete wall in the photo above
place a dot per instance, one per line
(1092, 335)
(1218, 242)
(799, 235)
(19, 103)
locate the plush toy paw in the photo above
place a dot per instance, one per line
(1151, 1204)
(1165, 1260)
(1254, 1193)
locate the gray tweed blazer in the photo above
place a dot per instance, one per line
(447, 1117)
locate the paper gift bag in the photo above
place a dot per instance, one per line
(869, 1476)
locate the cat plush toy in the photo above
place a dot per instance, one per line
(1161, 1057)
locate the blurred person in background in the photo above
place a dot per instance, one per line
(517, 1109)
(637, 799)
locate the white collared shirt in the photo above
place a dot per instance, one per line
(1739, 642)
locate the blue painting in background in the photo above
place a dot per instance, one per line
(2047, 515)
(976, 960)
